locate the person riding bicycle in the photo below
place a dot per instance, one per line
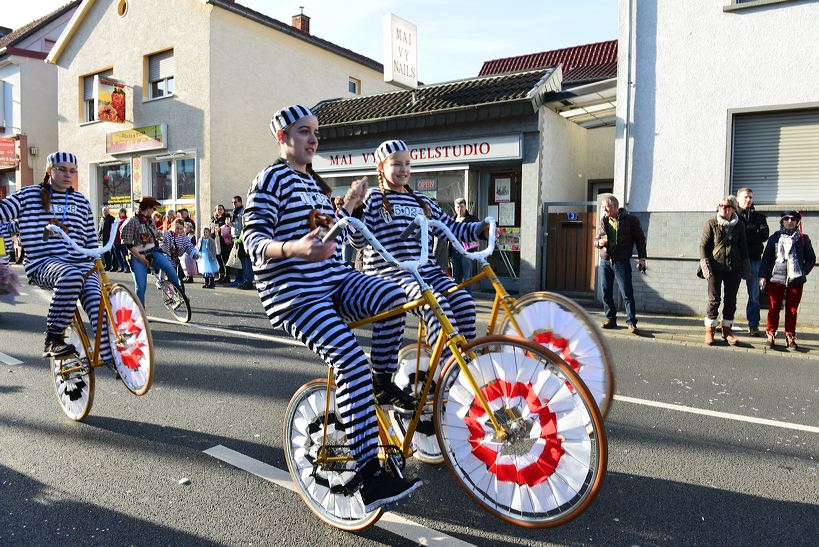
(175, 244)
(140, 236)
(388, 210)
(309, 291)
(50, 262)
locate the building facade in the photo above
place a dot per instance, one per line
(28, 99)
(714, 96)
(180, 107)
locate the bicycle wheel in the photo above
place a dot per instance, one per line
(75, 390)
(410, 376)
(131, 341)
(552, 463)
(330, 491)
(564, 327)
(176, 301)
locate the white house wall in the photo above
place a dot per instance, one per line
(10, 75)
(695, 62)
(564, 151)
(51, 31)
(38, 111)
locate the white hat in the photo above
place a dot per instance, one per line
(287, 116)
(61, 157)
(388, 148)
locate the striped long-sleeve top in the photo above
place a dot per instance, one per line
(277, 209)
(387, 229)
(175, 245)
(70, 209)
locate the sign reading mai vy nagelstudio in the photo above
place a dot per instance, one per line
(499, 147)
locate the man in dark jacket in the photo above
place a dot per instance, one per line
(104, 233)
(617, 234)
(756, 234)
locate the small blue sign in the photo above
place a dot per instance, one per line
(572, 215)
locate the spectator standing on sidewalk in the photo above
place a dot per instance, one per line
(223, 240)
(244, 280)
(723, 261)
(756, 234)
(462, 266)
(617, 235)
(120, 250)
(104, 233)
(788, 259)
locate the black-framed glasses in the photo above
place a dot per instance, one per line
(721, 206)
(789, 219)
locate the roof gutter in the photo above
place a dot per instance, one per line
(69, 31)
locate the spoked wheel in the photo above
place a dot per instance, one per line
(131, 341)
(74, 380)
(565, 328)
(176, 302)
(553, 460)
(330, 490)
(410, 376)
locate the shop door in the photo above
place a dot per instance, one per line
(570, 253)
(504, 205)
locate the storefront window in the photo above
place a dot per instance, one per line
(116, 185)
(174, 183)
(7, 183)
(161, 179)
(185, 179)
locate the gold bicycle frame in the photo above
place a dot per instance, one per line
(449, 338)
(79, 327)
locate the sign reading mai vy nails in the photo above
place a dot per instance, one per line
(467, 150)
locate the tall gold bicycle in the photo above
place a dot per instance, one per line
(129, 335)
(515, 424)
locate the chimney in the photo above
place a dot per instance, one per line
(301, 21)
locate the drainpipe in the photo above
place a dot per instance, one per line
(629, 83)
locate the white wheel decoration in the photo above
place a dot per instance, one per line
(75, 390)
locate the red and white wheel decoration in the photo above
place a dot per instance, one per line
(572, 336)
(130, 343)
(546, 463)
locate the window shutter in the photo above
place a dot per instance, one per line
(88, 88)
(161, 66)
(776, 154)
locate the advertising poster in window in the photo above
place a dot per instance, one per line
(508, 239)
(110, 100)
(116, 186)
(427, 186)
(506, 214)
(503, 190)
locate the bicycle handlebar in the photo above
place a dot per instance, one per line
(407, 265)
(480, 255)
(90, 253)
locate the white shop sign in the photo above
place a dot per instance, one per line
(400, 52)
(501, 147)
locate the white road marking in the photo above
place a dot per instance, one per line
(389, 521)
(713, 413)
(9, 360)
(253, 335)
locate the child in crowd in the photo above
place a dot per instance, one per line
(176, 244)
(188, 263)
(207, 260)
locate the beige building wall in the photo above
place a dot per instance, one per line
(255, 70)
(38, 112)
(563, 145)
(599, 162)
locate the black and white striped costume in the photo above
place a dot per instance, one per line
(175, 245)
(459, 306)
(53, 264)
(312, 300)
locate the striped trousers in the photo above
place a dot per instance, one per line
(322, 328)
(459, 307)
(66, 280)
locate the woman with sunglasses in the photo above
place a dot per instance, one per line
(787, 260)
(724, 262)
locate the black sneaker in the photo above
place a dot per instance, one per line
(55, 346)
(379, 488)
(387, 393)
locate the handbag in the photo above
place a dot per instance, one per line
(233, 260)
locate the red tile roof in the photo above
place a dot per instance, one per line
(580, 63)
(18, 34)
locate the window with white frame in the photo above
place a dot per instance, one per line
(161, 71)
(89, 99)
(173, 181)
(354, 86)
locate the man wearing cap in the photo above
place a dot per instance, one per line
(756, 234)
(140, 237)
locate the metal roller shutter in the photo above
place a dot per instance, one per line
(777, 155)
(161, 65)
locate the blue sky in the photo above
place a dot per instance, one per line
(454, 37)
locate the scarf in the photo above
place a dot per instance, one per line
(787, 266)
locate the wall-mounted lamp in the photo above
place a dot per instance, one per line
(32, 150)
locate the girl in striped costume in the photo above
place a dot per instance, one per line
(309, 291)
(388, 210)
(53, 264)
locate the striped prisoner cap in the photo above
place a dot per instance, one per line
(388, 148)
(287, 116)
(61, 157)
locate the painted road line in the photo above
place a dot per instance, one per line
(715, 414)
(9, 360)
(391, 522)
(265, 337)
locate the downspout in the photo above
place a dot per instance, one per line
(629, 84)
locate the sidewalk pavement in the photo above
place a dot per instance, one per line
(688, 331)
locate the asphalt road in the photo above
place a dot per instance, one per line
(674, 476)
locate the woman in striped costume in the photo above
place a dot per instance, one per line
(53, 264)
(388, 210)
(308, 290)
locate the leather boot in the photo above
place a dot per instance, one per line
(728, 335)
(709, 336)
